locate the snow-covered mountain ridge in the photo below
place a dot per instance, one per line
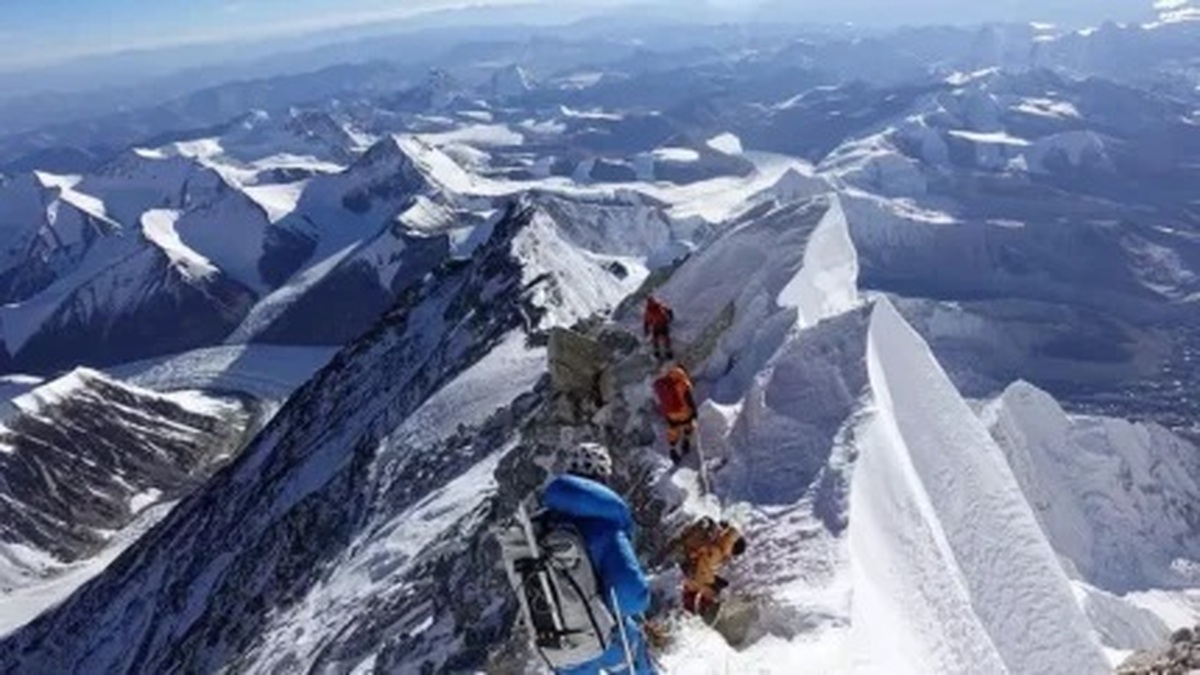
(285, 205)
(854, 244)
(354, 532)
(86, 465)
(206, 248)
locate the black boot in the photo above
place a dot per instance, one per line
(711, 611)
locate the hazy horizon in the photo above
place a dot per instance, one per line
(73, 47)
(57, 31)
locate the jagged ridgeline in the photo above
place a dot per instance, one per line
(356, 530)
(854, 236)
(357, 516)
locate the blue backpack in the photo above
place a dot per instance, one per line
(561, 600)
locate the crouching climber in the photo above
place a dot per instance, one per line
(676, 403)
(576, 574)
(702, 550)
(656, 324)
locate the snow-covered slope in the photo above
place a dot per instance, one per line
(208, 246)
(351, 239)
(407, 207)
(161, 297)
(323, 499)
(209, 250)
(47, 228)
(83, 459)
(1040, 224)
(1114, 497)
(780, 268)
(141, 179)
(919, 553)
(889, 533)
(231, 233)
(78, 449)
(943, 517)
(299, 140)
(178, 271)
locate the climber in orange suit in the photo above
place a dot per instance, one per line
(678, 407)
(702, 550)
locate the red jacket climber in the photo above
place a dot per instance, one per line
(656, 324)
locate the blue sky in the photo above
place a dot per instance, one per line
(40, 31)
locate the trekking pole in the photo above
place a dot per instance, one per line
(705, 485)
(624, 635)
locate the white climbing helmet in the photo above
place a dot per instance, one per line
(588, 459)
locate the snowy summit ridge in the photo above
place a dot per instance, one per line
(918, 280)
(933, 558)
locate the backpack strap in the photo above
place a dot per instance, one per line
(544, 520)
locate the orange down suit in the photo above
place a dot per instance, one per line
(675, 402)
(704, 549)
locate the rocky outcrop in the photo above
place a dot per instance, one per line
(1181, 657)
(577, 365)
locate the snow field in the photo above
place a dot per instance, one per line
(268, 372)
(158, 226)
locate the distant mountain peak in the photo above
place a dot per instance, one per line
(511, 81)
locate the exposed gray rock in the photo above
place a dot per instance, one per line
(84, 447)
(576, 365)
(1181, 656)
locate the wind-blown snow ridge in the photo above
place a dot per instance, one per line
(984, 565)
(1113, 497)
(827, 282)
(781, 267)
(919, 552)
